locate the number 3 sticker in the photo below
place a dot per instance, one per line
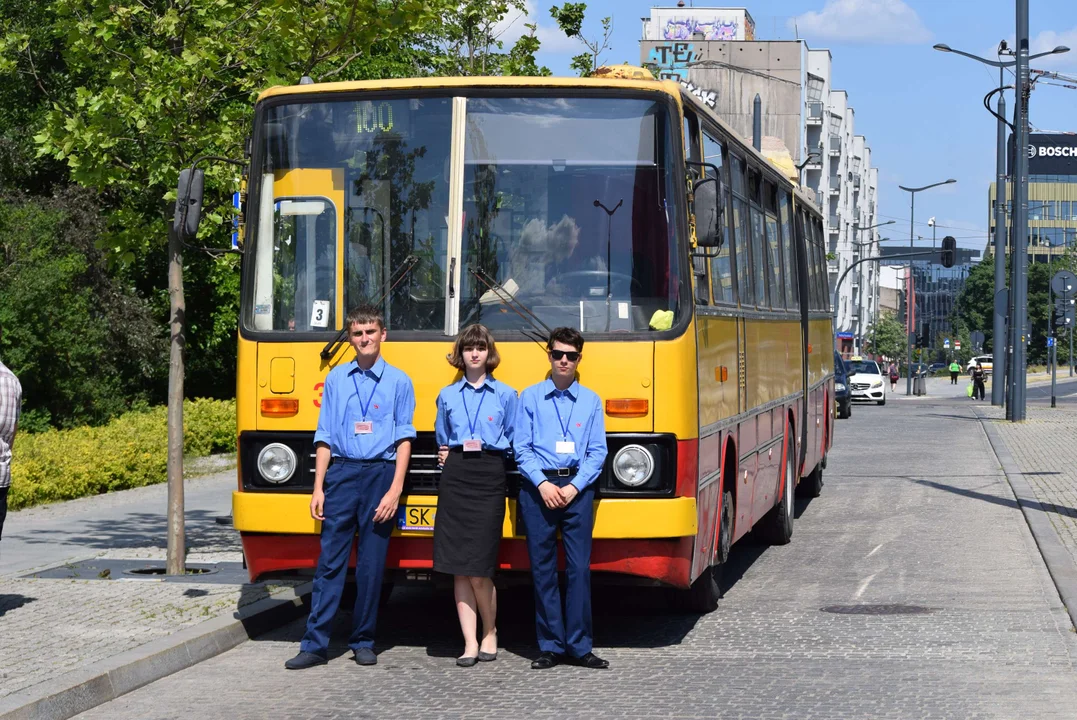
(319, 317)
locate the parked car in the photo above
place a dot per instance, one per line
(843, 398)
(936, 367)
(985, 360)
(866, 380)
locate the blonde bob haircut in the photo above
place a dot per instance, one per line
(474, 336)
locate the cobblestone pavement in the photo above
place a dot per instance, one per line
(915, 515)
(1045, 448)
(49, 627)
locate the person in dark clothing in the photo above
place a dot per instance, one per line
(978, 382)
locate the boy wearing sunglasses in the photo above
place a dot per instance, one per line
(560, 445)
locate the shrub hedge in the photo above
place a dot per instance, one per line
(130, 451)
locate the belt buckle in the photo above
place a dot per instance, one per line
(563, 472)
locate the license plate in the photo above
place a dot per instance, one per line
(416, 517)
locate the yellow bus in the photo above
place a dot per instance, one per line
(525, 204)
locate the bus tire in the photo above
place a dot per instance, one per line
(725, 529)
(812, 485)
(703, 596)
(778, 523)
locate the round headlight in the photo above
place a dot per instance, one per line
(633, 465)
(840, 387)
(277, 463)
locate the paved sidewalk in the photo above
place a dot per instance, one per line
(51, 626)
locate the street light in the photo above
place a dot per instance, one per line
(1019, 281)
(909, 305)
(860, 282)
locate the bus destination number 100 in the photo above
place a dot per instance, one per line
(373, 118)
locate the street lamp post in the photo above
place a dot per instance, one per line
(1015, 404)
(909, 305)
(860, 280)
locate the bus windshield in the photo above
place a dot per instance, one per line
(565, 206)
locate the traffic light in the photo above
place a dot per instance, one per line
(925, 335)
(949, 251)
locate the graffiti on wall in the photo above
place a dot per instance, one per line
(721, 27)
(672, 62)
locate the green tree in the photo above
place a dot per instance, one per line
(887, 338)
(570, 17)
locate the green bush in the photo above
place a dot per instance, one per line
(130, 451)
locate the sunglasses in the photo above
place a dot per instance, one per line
(558, 354)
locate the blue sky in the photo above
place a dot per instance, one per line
(920, 110)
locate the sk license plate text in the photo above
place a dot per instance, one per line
(416, 517)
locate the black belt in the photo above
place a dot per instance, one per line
(355, 461)
(561, 472)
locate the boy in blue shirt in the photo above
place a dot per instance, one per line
(560, 444)
(363, 445)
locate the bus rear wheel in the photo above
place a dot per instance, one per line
(778, 523)
(706, 591)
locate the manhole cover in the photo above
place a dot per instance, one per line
(892, 609)
(160, 570)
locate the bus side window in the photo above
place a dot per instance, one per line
(759, 255)
(809, 256)
(792, 297)
(774, 251)
(824, 275)
(691, 154)
(721, 265)
(741, 237)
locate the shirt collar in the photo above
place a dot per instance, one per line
(549, 389)
(487, 383)
(376, 370)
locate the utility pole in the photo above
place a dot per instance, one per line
(1020, 218)
(998, 323)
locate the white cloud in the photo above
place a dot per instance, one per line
(511, 28)
(1049, 40)
(890, 22)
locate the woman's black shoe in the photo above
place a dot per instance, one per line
(546, 660)
(467, 661)
(591, 661)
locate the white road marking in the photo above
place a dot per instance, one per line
(864, 585)
(875, 550)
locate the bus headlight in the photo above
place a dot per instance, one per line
(277, 463)
(633, 465)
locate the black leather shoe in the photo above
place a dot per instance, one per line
(590, 661)
(365, 656)
(467, 660)
(304, 660)
(547, 660)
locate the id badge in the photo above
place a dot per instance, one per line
(364, 427)
(473, 446)
(565, 447)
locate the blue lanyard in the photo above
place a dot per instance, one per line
(463, 398)
(363, 407)
(564, 427)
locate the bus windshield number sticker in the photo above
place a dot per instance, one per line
(319, 316)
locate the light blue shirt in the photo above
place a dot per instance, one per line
(382, 395)
(490, 410)
(546, 416)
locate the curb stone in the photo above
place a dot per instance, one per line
(95, 684)
(1059, 562)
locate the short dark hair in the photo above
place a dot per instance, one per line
(566, 335)
(474, 336)
(364, 315)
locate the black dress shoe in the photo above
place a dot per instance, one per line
(304, 660)
(365, 656)
(590, 661)
(546, 660)
(467, 660)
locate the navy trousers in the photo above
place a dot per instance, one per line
(569, 631)
(352, 493)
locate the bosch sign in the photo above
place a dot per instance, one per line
(1052, 154)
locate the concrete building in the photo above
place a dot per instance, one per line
(1052, 197)
(715, 53)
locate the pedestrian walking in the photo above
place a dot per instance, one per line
(363, 445)
(560, 443)
(473, 428)
(978, 376)
(893, 376)
(955, 370)
(10, 406)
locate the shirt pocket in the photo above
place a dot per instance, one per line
(492, 418)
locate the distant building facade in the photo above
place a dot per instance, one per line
(802, 111)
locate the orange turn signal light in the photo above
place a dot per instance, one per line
(721, 373)
(627, 407)
(280, 407)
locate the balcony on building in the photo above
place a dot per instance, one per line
(835, 145)
(815, 113)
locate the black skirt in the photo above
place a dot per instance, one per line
(471, 513)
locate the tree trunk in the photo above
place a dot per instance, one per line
(176, 540)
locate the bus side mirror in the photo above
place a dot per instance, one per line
(188, 203)
(708, 211)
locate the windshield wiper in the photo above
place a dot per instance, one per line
(398, 275)
(509, 298)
